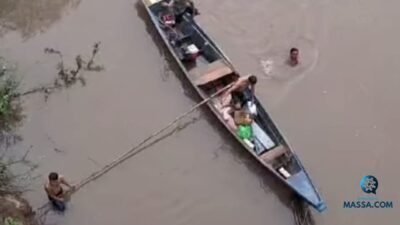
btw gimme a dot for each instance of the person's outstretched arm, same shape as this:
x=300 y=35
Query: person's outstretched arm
x=63 y=181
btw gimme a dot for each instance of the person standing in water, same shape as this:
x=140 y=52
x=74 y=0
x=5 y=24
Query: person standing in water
x=55 y=192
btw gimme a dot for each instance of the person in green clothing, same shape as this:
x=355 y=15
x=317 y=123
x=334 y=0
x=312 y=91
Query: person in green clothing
x=243 y=120
x=245 y=132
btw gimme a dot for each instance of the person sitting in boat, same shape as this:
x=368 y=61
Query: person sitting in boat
x=239 y=92
x=234 y=116
x=242 y=117
x=227 y=116
x=180 y=8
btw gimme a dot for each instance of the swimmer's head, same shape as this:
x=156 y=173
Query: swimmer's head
x=253 y=79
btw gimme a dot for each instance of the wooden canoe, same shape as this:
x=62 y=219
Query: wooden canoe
x=209 y=69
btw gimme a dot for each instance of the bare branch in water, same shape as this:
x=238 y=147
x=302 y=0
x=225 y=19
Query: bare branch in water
x=23 y=159
x=67 y=77
x=90 y=67
x=8 y=180
x=53 y=51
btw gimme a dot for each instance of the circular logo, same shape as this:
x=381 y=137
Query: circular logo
x=369 y=184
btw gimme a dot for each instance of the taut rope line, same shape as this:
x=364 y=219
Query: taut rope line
x=95 y=175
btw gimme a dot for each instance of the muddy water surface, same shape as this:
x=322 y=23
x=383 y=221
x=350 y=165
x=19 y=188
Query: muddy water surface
x=338 y=108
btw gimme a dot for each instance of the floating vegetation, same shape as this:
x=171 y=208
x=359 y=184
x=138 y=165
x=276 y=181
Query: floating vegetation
x=12 y=221
x=10 y=108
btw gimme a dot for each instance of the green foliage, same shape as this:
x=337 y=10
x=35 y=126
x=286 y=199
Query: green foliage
x=8 y=88
x=12 y=221
x=10 y=112
x=4 y=175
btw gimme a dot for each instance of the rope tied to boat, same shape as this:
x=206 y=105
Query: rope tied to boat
x=45 y=208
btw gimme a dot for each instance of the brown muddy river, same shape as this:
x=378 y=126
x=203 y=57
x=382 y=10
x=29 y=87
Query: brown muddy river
x=339 y=109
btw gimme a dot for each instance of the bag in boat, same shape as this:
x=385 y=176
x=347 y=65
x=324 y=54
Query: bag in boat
x=245 y=132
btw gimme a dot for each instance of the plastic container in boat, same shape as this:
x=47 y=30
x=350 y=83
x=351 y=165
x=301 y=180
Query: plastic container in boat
x=284 y=172
x=248 y=142
x=251 y=107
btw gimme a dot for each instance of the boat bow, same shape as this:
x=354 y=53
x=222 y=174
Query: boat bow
x=302 y=184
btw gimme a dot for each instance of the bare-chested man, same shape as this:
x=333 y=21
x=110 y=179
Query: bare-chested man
x=238 y=90
x=55 y=191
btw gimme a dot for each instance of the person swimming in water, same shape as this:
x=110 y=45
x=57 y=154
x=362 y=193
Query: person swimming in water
x=55 y=192
x=294 y=57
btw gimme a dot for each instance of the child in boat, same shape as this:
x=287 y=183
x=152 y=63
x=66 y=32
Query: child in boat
x=55 y=192
x=242 y=118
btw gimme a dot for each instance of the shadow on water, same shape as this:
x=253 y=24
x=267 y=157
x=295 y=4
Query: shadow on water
x=268 y=182
x=32 y=16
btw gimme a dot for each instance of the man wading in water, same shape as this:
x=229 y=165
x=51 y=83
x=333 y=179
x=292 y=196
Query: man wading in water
x=55 y=191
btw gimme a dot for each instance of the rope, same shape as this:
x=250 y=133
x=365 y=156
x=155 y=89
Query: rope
x=95 y=175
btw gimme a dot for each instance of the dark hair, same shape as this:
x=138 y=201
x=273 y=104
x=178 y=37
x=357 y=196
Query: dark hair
x=253 y=79
x=53 y=176
x=294 y=50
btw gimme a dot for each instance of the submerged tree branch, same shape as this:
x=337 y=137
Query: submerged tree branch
x=66 y=77
x=8 y=180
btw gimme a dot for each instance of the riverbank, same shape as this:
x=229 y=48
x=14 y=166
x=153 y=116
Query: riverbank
x=15 y=210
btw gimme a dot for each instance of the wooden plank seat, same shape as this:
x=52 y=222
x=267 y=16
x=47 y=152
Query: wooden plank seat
x=213 y=75
x=214 y=71
x=273 y=154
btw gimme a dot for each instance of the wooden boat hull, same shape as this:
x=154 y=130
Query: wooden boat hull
x=218 y=63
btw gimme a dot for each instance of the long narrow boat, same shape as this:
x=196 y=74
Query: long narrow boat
x=208 y=69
